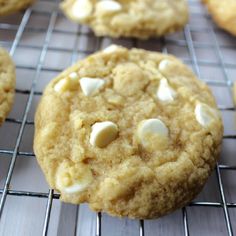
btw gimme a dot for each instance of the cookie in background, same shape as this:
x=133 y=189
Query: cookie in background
x=128 y=18
x=11 y=6
x=7 y=84
x=224 y=13
x=234 y=93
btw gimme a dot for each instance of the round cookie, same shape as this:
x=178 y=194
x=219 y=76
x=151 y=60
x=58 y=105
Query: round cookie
x=224 y=13
x=7 y=84
x=131 y=132
x=128 y=18
x=12 y=6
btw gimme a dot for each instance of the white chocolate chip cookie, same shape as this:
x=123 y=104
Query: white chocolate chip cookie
x=128 y=18
x=7 y=84
x=131 y=132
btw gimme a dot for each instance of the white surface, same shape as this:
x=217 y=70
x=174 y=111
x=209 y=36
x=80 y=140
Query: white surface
x=23 y=216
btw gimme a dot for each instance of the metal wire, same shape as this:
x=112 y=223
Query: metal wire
x=185 y=221
x=30 y=98
x=141 y=228
x=99 y=224
x=13 y=159
x=188 y=42
x=48 y=213
x=226 y=212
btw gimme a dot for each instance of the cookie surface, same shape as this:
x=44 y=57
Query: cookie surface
x=131 y=132
x=7 y=84
x=11 y=6
x=224 y=13
x=128 y=18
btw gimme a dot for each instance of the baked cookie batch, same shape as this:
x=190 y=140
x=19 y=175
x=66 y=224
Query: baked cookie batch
x=131 y=132
x=134 y=18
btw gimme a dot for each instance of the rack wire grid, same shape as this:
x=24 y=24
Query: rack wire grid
x=42 y=43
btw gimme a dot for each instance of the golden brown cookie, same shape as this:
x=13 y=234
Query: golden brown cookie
x=128 y=18
x=7 y=84
x=131 y=132
x=224 y=13
x=11 y=6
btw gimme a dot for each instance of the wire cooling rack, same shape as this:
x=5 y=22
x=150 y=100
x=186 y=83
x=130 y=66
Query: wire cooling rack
x=42 y=43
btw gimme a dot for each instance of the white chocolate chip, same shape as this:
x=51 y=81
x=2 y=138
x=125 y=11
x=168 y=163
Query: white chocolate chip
x=82 y=9
x=150 y=129
x=164 y=65
x=61 y=86
x=73 y=76
x=205 y=114
x=103 y=133
x=108 y=6
x=164 y=92
x=76 y=188
x=110 y=49
x=89 y=85
x=71 y=181
x=67 y=83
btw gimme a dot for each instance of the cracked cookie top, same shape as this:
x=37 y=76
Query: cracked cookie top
x=131 y=132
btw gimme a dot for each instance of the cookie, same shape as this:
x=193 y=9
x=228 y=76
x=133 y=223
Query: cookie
x=128 y=18
x=7 y=84
x=131 y=132
x=234 y=93
x=224 y=13
x=12 y=6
